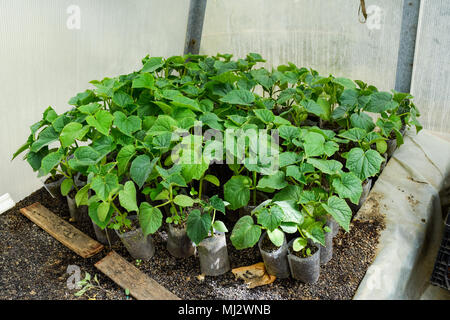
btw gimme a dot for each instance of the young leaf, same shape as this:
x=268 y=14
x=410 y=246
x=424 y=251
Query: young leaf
x=217 y=203
x=198 y=226
x=66 y=186
x=183 y=201
x=276 y=236
x=240 y=97
x=276 y=181
x=104 y=186
x=270 y=218
x=339 y=210
x=364 y=164
x=140 y=169
x=82 y=196
x=102 y=210
x=314 y=144
x=219 y=226
x=150 y=218
x=237 y=191
x=127 y=197
x=213 y=179
x=245 y=233
x=123 y=158
x=348 y=186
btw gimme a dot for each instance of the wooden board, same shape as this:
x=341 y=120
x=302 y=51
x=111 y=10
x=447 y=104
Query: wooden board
x=62 y=230
x=129 y=277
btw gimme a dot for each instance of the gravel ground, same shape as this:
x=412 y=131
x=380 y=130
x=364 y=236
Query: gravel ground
x=33 y=265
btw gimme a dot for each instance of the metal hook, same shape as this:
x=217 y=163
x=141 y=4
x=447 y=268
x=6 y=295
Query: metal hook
x=362 y=7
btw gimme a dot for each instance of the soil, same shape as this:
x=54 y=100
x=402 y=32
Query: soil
x=53 y=179
x=268 y=245
x=33 y=265
x=302 y=253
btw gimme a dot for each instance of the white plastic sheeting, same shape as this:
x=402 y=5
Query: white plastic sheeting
x=321 y=34
x=50 y=50
x=406 y=195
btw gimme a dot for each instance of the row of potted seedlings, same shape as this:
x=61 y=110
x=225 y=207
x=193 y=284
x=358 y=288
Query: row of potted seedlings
x=116 y=157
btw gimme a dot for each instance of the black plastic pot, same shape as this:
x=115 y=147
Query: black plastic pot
x=391 y=147
x=276 y=262
x=54 y=188
x=138 y=245
x=307 y=269
x=77 y=213
x=178 y=243
x=335 y=227
x=102 y=237
x=326 y=252
x=367 y=185
x=213 y=255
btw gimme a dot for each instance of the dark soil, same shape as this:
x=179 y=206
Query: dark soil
x=303 y=253
x=268 y=245
x=33 y=264
x=53 y=179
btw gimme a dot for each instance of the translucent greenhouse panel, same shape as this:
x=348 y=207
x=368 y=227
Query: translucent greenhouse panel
x=322 y=34
x=432 y=65
x=52 y=49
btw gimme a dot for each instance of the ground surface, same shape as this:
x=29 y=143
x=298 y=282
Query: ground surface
x=33 y=265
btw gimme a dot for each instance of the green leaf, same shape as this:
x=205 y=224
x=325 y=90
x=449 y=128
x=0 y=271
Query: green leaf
x=379 y=102
x=123 y=158
x=140 y=169
x=237 y=191
x=213 y=179
x=86 y=156
x=50 y=161
x=82 y=196
x=217 y=203
x=103 y=210
x=245 y=233
x=381 y=146
x=46 y=137
x=346 y=83
x=219 y=226
x=288 y=132
x=270 y=218
x=122 y=99
x=66 y=186
x=153 y=64
x=264 y=115
x=276 y=236
x=354 y=134
x=127 y=197
x=144 y=80
x=363 y=121
x=198 y=226
x=330 y=148
x=90 y=108
x=127 y=125
x=71 y=132
x=183 y=201
x=314 y=144
x=93 y=213
x=299 y=244
x=288 y=158
x=349 y=98
x=105 y=186
x=330 y=167
x=321 y=110
x=276 y=181
x=348 y=186
x=150 y=218
x=364 y=164
x=163 y=124
x=339 y=210
x=101 y=121
x=240 y=97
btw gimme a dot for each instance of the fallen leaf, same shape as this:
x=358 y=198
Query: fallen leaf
x=201 y=277
x=254 y=275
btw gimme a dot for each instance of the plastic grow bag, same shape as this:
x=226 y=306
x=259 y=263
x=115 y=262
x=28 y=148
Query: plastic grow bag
x=406 y=196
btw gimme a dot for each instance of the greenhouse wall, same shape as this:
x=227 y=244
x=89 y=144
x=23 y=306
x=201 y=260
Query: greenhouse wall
x=51 y=49
x=431 y=72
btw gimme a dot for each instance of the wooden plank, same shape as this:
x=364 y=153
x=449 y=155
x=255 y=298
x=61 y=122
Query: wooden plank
x=62 y=230
x=129 y=277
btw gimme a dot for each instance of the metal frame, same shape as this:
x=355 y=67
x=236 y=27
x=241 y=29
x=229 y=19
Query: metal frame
x=194 y=29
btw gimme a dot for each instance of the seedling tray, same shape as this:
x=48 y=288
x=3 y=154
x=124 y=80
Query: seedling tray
x=441 y=271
